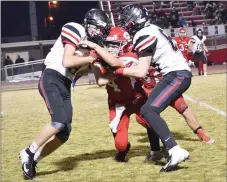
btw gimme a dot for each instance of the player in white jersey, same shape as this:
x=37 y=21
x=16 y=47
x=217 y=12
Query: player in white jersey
x=54 y=86
x=155 y=47
x=199 y=49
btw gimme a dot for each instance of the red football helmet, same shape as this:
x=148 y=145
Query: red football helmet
x=118 y=41
x=182 y=32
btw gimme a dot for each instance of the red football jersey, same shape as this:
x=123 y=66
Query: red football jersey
x=182 y=44
x=152 y=78
x=125 y=89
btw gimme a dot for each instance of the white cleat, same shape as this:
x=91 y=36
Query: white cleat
x=176 y=156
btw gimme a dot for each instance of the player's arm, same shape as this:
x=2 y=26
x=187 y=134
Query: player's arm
x=191 y=43
x=70 y=60
x=101 y=79
x=145 y=47
x=71 y=37
x=104 y=54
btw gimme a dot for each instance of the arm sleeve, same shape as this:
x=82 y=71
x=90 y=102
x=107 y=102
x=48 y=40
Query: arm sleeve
x=145 y=45
x=70 y=35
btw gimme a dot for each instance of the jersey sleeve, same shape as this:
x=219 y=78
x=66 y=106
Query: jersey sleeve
x=145 y=45
x=70 y=34
x=192 y=40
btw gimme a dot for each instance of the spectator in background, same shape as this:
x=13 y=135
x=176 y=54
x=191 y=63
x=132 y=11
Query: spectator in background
x=8 y=62
x=174 y=16
x=193 y=24
x=161 y=13
x=19 y=69
x=175 y=13
x=190 y=5
x=182 y=22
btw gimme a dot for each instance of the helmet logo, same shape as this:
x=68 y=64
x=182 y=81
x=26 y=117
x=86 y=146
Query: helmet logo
x=101 y=23
x=126 y=35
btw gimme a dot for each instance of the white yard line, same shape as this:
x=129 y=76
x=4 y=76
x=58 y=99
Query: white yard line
x=203 y=104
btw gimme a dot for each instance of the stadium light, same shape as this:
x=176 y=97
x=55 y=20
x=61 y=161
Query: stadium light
x=53 y=4
x=51 y=18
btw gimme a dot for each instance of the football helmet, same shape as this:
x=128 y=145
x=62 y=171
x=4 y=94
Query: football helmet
x=118 y=41
x=97 y=25
x=199 y=33
x=182 y=32
x=133 y=18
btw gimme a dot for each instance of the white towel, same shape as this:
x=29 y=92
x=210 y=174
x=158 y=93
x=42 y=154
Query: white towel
x=115 y=122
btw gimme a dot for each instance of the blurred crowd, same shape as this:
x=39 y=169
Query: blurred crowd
x=215 y=11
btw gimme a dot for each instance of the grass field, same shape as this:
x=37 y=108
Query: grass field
x=88 y=155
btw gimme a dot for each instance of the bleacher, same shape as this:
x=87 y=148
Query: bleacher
x=181 y=7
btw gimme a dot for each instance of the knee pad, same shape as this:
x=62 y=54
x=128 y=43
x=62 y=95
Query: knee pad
x=58 y=126
x=180 y=105
x=64 y=134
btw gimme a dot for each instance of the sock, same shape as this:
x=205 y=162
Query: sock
x=33 y=148
x=196 y=130
x=37 y=156
x=153 y=139
x=161 y=128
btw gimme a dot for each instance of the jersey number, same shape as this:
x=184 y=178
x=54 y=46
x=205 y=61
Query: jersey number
x=171 y=41
x=181 y=47
x=114 y=86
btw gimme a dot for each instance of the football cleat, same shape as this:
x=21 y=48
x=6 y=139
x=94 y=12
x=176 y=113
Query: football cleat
x=176 y=156
x=120 y=157
x=27 y=164
x=202 y=136
x=154 y=156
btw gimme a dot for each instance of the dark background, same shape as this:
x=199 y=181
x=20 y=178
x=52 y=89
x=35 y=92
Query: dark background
x=15 y=20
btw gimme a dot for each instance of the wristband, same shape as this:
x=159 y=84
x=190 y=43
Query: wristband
x=119 y=71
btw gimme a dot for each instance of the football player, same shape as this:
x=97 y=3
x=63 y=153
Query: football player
x=125 y=95
x=182 y=42
x=54 y=86
x=199 y=49
x=152 y=78
x=155 y=47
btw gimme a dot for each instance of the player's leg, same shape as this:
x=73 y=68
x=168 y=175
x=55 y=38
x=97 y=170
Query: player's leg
x=172 y=86
x=182 y=107
x=204 y=60
x=121 y=136
x=155 y=153
x=196 y=62
x=60 y=138
x=53 y=98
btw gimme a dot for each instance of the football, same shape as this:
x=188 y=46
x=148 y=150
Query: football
x=82 y=51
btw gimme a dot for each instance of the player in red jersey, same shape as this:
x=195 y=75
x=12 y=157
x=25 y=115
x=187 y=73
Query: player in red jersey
x=182 y=43
x=125 y=95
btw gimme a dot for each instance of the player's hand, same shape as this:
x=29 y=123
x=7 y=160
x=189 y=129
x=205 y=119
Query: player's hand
x=89 y=44
x=207 y=53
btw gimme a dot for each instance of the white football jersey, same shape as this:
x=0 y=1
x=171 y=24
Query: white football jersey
x=166 y=57
x=71 y=33
x=198 y=43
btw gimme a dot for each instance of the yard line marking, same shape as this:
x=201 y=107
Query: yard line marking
x=203 y=104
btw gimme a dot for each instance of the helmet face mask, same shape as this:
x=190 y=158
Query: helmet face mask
x=114 y=48
x=199 y=33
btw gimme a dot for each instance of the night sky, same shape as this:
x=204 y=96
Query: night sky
x=15 y=19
